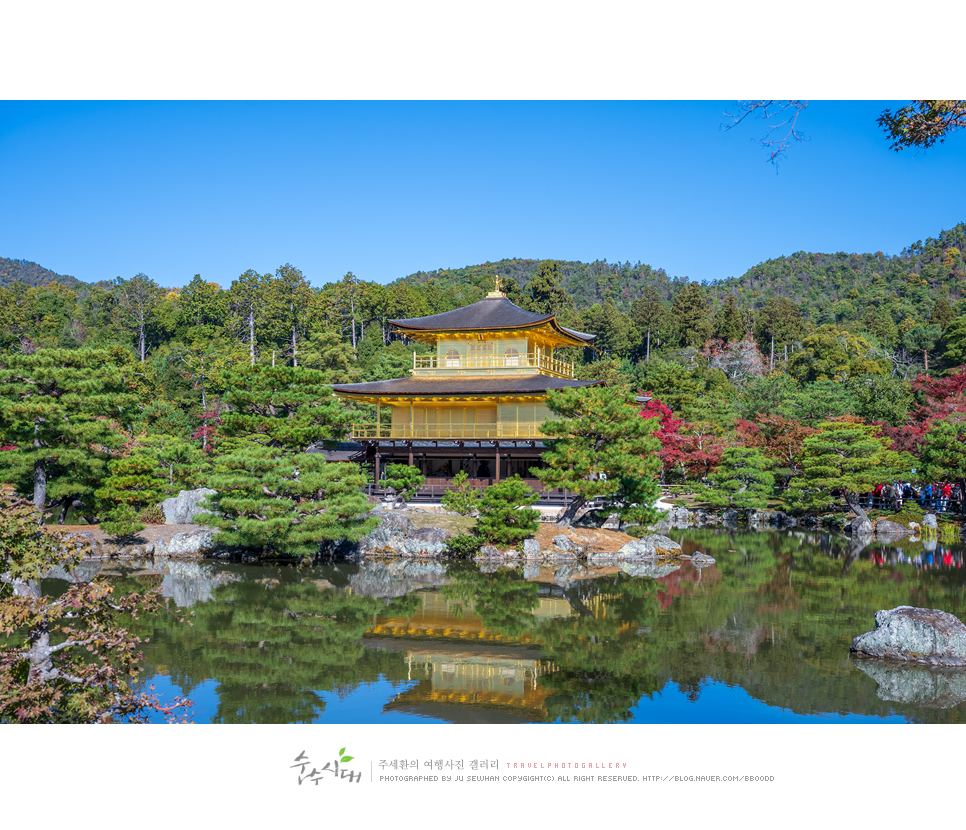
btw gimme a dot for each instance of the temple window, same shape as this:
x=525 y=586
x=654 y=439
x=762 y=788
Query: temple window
x=511 y=357
x=480 y=352
x=452 y=359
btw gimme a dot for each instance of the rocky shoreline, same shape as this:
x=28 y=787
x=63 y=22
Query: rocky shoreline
x=592 y=539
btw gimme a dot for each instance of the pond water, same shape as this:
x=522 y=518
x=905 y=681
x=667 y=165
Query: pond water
x=762 y=636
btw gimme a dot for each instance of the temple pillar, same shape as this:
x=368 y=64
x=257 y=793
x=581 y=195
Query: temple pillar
x=377 y=470
x=497 y=480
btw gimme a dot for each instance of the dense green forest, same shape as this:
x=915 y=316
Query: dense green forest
x=761 y=361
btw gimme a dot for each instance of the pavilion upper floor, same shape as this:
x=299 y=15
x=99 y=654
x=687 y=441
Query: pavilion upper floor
x=492 y=353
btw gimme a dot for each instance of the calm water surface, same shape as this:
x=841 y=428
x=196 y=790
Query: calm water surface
x=760 y=637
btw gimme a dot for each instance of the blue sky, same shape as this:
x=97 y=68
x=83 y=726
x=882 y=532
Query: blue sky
x=100 y=189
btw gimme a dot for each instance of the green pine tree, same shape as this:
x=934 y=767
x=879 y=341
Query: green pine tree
x=286 y=504
x=598 y=439
x=847 y=456
x=133 y=484
x=742 y=480
x=180 y=463
x=282 y=406
x=545 y=294
x=944 y=453
x=506 y=516
x=461 y=498
x=729 y=323
x=58 y=408
x=691 y=316
x=405 y=479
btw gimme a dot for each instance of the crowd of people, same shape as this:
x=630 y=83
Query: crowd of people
x=933 y=555
x=944 y=497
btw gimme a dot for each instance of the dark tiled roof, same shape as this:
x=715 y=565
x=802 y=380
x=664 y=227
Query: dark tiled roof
x=487 y=315
x=436 y=386
x=345 y=451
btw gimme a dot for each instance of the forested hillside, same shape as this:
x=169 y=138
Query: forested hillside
x=828 y=287
x=30 y=273
x=759 y=362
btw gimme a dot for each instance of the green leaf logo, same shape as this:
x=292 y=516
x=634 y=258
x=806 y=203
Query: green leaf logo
x=343 y=758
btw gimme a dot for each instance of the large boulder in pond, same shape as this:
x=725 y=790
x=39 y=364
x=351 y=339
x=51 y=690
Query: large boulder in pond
x=929 y=520
x=196 y=543
x=860 y=526
x=916 y=635
x=396 y=577
x=184 y=508
x=890 y=530
x=396 y=535
x=661 y=543
x=928 y=686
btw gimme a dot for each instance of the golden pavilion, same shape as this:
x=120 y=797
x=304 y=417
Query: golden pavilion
x=476 y=405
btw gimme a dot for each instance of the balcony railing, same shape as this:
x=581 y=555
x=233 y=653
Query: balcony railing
x=539 y=362
x=445 y=432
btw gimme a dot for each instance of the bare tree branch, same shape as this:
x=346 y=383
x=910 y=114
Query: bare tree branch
x=781 y=118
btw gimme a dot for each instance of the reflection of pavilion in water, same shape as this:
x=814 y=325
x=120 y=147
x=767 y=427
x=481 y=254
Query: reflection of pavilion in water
x=465 y=673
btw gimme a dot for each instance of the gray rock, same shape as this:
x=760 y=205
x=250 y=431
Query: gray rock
x=701 y=560
x=562 y=575
x=184 y=508
x=891 y=530
x=612 y=522
x=512 y=553
x=552 y=555
x=531 y=549
x=780 y=519
x=418 y=547
x=396 y=535
x=700 y=518
x=82 y=541
x=567 y=544
x=602 y=558
x=432 y=534
x=195 y=543
x=934 y=688
x=679 y=516
x=389 y=537
x=917 y=635
x=638 y=549
x=755 y=517
x=188 y=583
x=651 y=570
x=730 y=518
x=84 y=571
x=860 y=526
x=661 y=543
x=929 y=520
x=489 y=552
x=390 y=578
